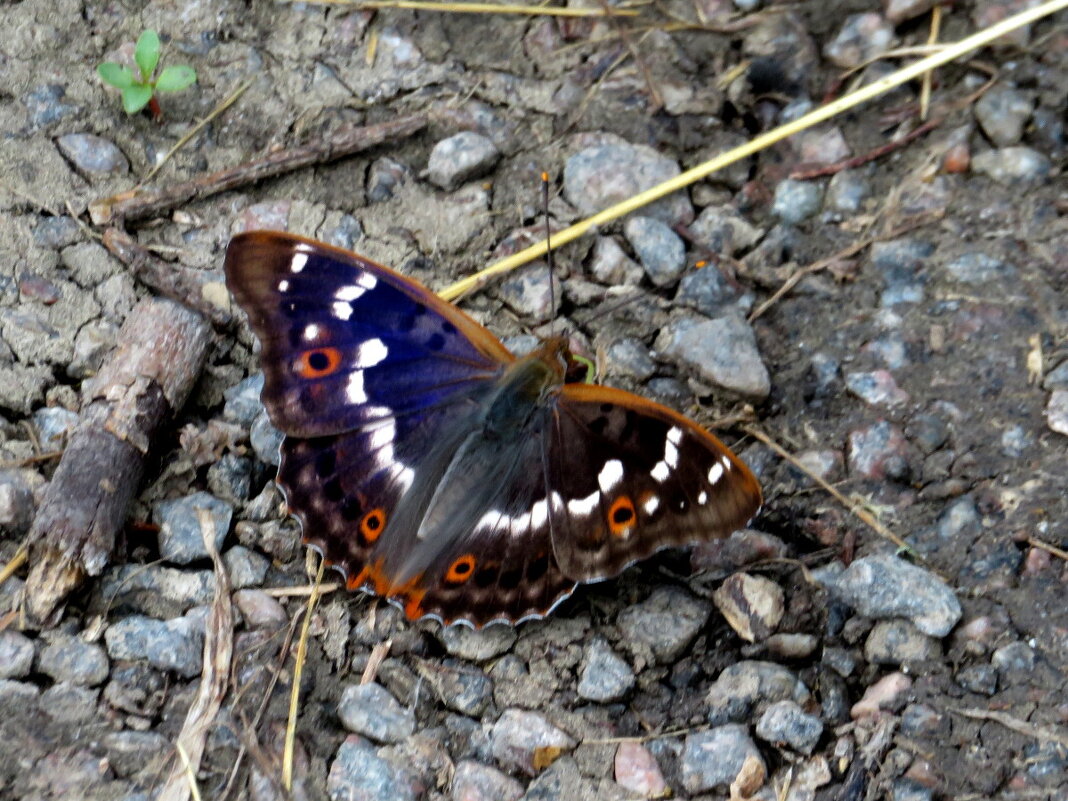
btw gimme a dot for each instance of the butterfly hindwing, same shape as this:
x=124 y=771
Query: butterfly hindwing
x=637 y=477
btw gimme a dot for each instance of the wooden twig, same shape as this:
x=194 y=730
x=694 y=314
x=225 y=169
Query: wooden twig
x=138 y=204
x=202 y=290
x=1051 y=734
x=147 y=378
x=804 y=173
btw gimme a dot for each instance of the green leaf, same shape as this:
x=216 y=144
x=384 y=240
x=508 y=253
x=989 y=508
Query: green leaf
x=146 y=54
x=115 y=74
x=176 y=78
x=136 y=98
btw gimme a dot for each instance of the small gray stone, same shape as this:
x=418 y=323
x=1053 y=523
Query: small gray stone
x=1012 y=165
x=630 y=357
x=460 y=158
x=659 y=249
x=54 y=426
x=243 y=400
x=714 y=758
x=358 y=773
x=722 y=352
x=883 y=586
x=960 y=522
x=796 y=201
x=665 y=623
x=878 y=452
x=786 y=722
x=1057 y=378
x=56 y=232
x=44 y=106
x=474 y=781
x=877 y=388
x=16 y=502
x=1016 y=659
x=897 y=642
x=344 y=233
x=16 y=655
x=981 y=679
x=741 y=687
x=180 y=537
x=245 y=567
x=532 y=292
x=518 y=735
x=91 y=344
x=71 y=659
x=157 y=590
x=603 y=175
x=861 y=38
x=69 y=703
x=611 y=265
x=923 y=720
x=131 y=752
x=461 y=687
x=846 y=193
x=605 y=677
x=230 y=478
x=906 y=789
x=171 y=645
x=1003 y=113
x=722 y=230
x=260 y=610
x=1057 y=411
x=384 y=177
x=266 y=440
x=370 y=710
x=137 y=689
x=709 y=291
x=477 y=645
x=898 y=11
x=93 y=154
x=18 y=695
x=978 y=268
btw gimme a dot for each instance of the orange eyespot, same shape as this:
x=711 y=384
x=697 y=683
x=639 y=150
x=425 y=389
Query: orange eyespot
x=460 y=570
x=372 y=523
x=621 y=516
x=318 y=363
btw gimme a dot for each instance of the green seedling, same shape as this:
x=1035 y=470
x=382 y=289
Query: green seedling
x=139 y=91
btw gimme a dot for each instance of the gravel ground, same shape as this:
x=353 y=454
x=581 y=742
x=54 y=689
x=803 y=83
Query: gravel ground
x=925 y=376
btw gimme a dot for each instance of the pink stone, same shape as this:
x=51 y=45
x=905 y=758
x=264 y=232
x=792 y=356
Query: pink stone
x=637 y=771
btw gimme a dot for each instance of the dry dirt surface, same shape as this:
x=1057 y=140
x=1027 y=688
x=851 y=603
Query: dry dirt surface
x=923 y=374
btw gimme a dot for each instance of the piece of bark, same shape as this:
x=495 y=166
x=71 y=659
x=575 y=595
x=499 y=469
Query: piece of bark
x=202 y=290
x=147 y=378
x=137 y=204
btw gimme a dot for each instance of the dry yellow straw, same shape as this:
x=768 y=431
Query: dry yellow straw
x=944 y=56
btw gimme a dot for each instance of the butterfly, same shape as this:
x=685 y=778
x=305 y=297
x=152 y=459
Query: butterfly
x=435 y=468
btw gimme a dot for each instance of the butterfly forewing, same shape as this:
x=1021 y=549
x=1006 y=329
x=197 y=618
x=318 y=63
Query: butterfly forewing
x=637 y=477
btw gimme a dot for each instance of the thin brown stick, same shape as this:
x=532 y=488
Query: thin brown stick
x=1051 y=734
x=139 y=204
x=804 y=173
x=1045 y=546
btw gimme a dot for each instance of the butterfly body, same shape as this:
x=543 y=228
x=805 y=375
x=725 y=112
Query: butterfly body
x=435 y=468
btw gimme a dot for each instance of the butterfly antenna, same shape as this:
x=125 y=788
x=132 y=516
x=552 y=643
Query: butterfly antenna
x=548 y=247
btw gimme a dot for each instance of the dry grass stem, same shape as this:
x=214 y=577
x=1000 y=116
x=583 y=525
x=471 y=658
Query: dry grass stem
x=1052 y=734
x=298 y=671
x=475 y=8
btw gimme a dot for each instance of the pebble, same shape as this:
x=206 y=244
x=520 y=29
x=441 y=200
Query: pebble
x=93 y=154
x=743 y=685
x=960 y=522
x=826 y=464
x=877 y=388
x=714 y=758
x=786 y=722
x=660 y=250
x=16 y=655
x=980 y=679
x=477 y=645
x=710 y=292
x=1057 y=411
x=822 y=144
x=131 y=752
x=384 y=177
x=460 y=158
x=923 y=720
x=665 y=623
x=20 y=695
x=474 y=781
x=905 y=789
x=722 y=352
x=636 y=770
x=605 y=677
x=602 y=175
x=44 y=106
x=54 y=426
x=978 y=268
x=532 y=292
x=898 y=11
x=242 y=404
x=518 y=735
x=842 y=661
x=71 y=659
x=846 y=193
x=1015 y=659
x=611 y=265
x=265 y=440
x=1002 y=113
x=796 y=201
x=358 y=773
x=752 y=605
x=344 y=233
x=230 y=478
x=878 y=452
x=137 y=689
x=861 y=38
x=722 y=230
x=897 y=642
x=884 y=586
x=1057 y=378
x=886 y=693
x=631 y=358
x=167 y=645
x=741 y=548
x=791 y=645
x=370 y=710
x=69 y=703
x=180 y=538
x=92 y=343
x=157 y=590
x=1012 y=165
x=56 y=232
x=245 y=567
x=260 y=610
x=16 y=503
x=891 y=350
x=462 y=687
